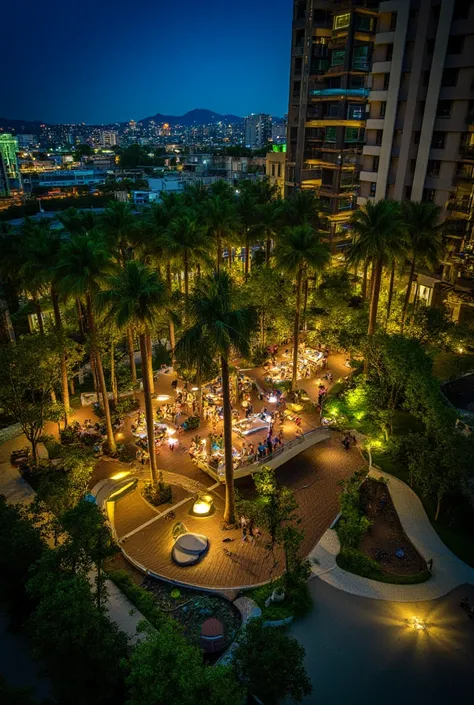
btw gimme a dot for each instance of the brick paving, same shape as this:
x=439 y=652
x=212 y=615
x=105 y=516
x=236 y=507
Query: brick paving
x=313 y=475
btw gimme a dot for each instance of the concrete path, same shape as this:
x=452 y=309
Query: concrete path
x=448 y=571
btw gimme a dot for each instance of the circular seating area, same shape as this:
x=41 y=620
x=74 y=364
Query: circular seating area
x=212 y=635
x=189 y=549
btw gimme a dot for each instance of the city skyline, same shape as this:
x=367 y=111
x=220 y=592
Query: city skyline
x=111 y=69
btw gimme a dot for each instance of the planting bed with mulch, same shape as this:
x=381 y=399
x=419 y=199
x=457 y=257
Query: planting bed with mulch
x=191 y=609
x=385 y=541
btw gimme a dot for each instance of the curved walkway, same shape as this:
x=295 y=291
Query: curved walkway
x=448 y=570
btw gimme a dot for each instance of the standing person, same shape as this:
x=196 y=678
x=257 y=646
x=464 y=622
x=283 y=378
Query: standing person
x=269 y=445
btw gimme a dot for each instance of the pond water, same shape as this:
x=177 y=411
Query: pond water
x=460 y=392
x=17 y=664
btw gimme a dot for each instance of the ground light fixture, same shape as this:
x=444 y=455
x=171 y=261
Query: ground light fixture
x=162 y=397
x=120 y=475
x=203 y=506
x=419 y=625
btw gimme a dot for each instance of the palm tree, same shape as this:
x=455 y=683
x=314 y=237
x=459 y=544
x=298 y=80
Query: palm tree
x=298 y=252
x=187 y=239
x=300 y=208
x=268 y=217
x=378 y=237
x=245 y=209
x=42 y=254
x=135 y=297
x=76 y=222
x=220 y=219
x=84 y=262
x=119 y=224
x=424 y=231
x=223 y=329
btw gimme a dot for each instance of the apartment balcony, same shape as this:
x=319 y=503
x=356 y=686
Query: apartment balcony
x=371 y=150
x=378 y=96
x=467 y=151
x=464 y=207
x=335 y=122
x=299 y=23
x=375 y=124
x=339 y=93
x=467 y=176
x=384 y=38
x=298 y=50
x=382 y=67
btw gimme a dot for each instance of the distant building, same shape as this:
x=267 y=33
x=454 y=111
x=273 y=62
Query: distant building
x=258 y=130
x=275 y=167
x=100 y=161
x=4 y=187
x=27 y=141
x=108 y=138
x=279 y=132
x=11 y=168
x=64 y=178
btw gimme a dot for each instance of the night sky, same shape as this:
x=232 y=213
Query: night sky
x=100 y=61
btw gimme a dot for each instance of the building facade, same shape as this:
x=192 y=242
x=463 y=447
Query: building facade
x=331 y=57
x=419 y=142
x=64 y=178
x=108 y=138
x=275 y=167
x=258 y=130
x=10 y=168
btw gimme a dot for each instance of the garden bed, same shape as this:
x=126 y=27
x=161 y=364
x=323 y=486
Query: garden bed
x=295 y=605
x=384 y=552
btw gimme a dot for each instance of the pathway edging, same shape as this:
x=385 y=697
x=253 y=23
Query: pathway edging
x=448 y=570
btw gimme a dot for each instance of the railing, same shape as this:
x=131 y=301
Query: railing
x=344 y=92
x=250 y=468
x=459 y=206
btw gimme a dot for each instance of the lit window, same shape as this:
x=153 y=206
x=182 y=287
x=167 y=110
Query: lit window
x=341 y=21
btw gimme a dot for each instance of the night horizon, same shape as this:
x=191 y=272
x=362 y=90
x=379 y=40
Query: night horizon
x=103 y=71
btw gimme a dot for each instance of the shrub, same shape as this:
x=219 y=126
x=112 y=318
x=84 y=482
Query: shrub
x=357 y=562
x=159 y=493
x=125 y=406
x=351 y=528
x=191 y=423
x=141 y=598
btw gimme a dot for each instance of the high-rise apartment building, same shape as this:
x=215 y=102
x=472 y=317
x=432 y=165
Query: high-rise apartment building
x=8 y=155
x=419 y=140
x=108 y=138
x=331 y=57
x=258 y=130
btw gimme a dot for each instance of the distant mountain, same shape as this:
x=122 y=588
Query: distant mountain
x=198 y=116
x=19 y=126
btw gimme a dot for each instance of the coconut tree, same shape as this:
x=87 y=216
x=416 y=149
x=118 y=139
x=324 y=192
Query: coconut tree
x=220 y=220
x=43 y=247
x=378 y=237
x=224 y=329
x=268 y=224
x=119 y=224
x=245 y=208
x=421 y=220
x=84 y=262
x=135 y=296
x=187 y=240
x=299 y=252
x=300 y=208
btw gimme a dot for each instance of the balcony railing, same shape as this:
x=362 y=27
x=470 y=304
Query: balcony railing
x=460 y=206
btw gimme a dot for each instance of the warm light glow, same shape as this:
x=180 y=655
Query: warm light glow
x=201 y=507
x=120 y=475
x=416 y=623
x=119 y=436
x=272 y=399
x=162 y=397
x=461 y=350
x=194 y=389
x=170 y=431
x=172 y=442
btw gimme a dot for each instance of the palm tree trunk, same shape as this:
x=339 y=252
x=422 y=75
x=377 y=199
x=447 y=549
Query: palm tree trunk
x=390 y=293
x=438 y=508
x=131 y=355
x=219 y=253
x=305 y=301
x=100 y=375
x=229 y=511
x=296 y=330
x=372 y=278
x=186 y=279
x=150 y=363
x=150 y=426
x=247 y=255
x=39 y=316
x=374 y=299
x=171 y=323
x=364 y=281
x=113 y=378
x=407 y=294
x=198 y=271
x=80 y=317
x=64 y=379
x=268 y=251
